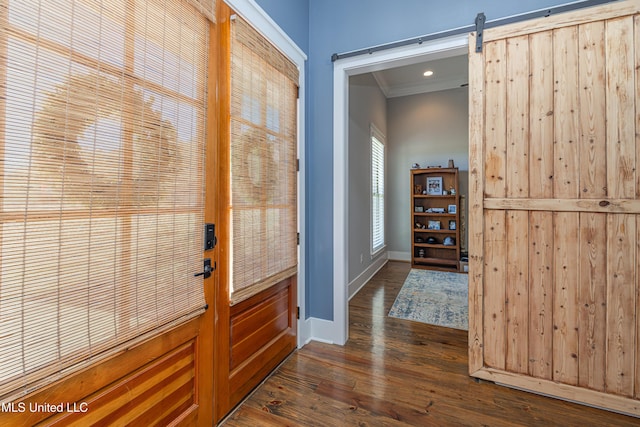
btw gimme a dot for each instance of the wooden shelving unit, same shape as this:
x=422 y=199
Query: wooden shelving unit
x=435 y=219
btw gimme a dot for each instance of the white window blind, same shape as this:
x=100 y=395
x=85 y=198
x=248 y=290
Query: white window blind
x=263 y=163
x=102 y=130
x=377 y=190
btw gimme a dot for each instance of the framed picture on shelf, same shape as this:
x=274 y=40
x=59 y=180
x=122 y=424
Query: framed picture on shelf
x=418 y=209
x=417 y=189
x=434 y=185
x=433 y=225
x=452 y=209
x=452 y=225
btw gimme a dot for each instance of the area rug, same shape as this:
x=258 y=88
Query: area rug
x=435 y=297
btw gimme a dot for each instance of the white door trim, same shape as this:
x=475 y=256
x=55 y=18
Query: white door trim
x=338 y=331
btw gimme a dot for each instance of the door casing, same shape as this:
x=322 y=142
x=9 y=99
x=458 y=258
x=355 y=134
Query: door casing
x=337 y=330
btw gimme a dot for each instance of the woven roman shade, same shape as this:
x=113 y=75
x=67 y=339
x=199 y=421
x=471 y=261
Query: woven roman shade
x=263 y=163
x=206 y=7
x=102 y=132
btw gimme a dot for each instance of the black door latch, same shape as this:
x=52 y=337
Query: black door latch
x=207 y=269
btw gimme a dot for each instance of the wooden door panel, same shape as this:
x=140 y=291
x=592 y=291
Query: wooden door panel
x=495 y=272
x=153 y=383
x=592 y=96
x=621 y=108
x=495 y=99
x=621 y=304
x=592 y=294
x=517 y=292
x=517 y=117
x=554 y=239
x=259 y=320
x=157 y=394
x=565 y=297
x=565 y=113
x=541 y=115
x=263 y=333
x=540 y=283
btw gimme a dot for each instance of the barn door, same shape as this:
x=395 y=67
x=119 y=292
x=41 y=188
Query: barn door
x=554 y=210
x=256 y=320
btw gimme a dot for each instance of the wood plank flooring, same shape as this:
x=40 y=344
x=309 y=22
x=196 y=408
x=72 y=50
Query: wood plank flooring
x=395 y=372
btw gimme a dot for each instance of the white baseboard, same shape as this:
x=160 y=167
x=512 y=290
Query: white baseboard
x=328 y=331
x=364 y=277
x=399 y=256
x=323 y=331
x=304 y=331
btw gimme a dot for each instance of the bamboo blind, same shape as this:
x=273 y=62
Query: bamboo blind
x=263 y=163
x=206 y=7
x=102 y=127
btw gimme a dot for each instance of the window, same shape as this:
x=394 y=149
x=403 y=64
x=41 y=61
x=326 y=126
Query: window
x=263 y=173
x=377 y=190
x=102 y=130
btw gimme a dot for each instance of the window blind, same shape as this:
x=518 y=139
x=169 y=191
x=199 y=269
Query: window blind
x=102 y=130
x=377 y=191
x=263 y=163
x=206 y=8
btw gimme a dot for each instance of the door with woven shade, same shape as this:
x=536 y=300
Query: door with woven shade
x=257 y=323
x=102 y=204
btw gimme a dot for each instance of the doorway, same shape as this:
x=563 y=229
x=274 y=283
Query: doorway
x=343 y=70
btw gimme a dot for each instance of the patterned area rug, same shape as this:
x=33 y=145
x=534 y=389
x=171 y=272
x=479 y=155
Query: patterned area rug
x=435 y=297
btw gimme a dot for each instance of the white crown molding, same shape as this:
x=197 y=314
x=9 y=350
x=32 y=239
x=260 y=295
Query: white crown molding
x=382 y=83
x=418 y=88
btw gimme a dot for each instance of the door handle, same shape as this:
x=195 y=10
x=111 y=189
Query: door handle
x=207 y=269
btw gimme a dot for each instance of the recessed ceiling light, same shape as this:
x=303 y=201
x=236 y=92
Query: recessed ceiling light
x=428 y=73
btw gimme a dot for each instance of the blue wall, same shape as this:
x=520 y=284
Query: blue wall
x=338 y=26
x=292 y=16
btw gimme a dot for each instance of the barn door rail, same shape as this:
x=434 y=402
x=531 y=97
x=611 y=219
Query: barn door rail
x=542 y=13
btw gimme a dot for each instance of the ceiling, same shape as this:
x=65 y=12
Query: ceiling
x=448 y=73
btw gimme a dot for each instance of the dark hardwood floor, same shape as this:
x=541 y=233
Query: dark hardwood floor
x=395 y=372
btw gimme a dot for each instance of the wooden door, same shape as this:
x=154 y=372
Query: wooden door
x=162 y=378
x=256 y=325
x=554 y=212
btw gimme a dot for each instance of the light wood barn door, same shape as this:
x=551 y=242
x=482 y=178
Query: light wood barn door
x=554 y=211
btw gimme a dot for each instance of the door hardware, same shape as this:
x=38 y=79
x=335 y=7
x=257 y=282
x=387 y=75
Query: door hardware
x=207 y=269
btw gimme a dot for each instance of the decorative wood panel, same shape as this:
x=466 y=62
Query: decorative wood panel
x=254 y=325
x=150 y=384
x=517 y=292
x=592 y=315
x=155 y=395
x=540 y=294
x=554 y=153
x=263 y=333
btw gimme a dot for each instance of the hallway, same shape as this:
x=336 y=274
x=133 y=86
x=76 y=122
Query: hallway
x=394 y=372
